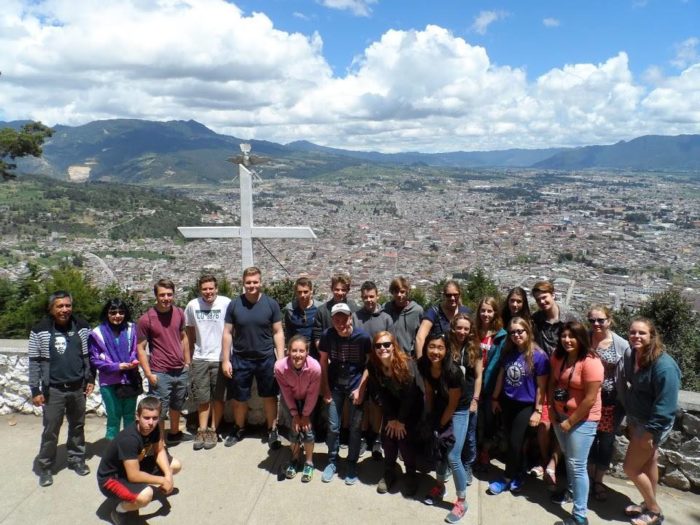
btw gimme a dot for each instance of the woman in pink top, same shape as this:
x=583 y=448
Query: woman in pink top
x=574 y=397
x=299 y=379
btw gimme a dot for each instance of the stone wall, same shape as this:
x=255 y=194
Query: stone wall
x=15 y=395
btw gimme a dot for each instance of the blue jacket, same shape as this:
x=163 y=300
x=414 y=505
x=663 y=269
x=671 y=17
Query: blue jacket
x=493 y=358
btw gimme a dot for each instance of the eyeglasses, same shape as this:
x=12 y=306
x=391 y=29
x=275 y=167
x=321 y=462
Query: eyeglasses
x=599 y=320
x=518 y=331
x=383 y=344
x=116 y=312
x=451 y=295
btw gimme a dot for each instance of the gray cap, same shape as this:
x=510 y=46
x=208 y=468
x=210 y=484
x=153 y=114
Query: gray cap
x=340 y=308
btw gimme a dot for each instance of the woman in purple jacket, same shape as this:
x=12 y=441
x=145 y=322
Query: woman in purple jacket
x=112 y=346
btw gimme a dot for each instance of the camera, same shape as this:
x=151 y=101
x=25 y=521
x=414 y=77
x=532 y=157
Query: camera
x=561 y=395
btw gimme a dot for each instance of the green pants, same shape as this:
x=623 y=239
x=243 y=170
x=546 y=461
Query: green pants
x=118 y=409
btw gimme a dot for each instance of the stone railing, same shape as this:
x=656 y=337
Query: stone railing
x=679 y=457
x=15 y=395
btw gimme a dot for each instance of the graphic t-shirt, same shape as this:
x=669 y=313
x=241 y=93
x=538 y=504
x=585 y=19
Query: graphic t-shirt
x=129 y=444
x=519 y=382
x=485 y=345
x=208 y=322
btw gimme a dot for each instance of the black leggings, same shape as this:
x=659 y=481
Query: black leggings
x=516 y=419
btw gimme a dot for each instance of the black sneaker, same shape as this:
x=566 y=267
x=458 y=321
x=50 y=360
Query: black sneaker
x=45 y=478
x=234 y=437
x=561 y=497
x=377 y=451
x=175 y=438
x=80 y=468
x=273 y=439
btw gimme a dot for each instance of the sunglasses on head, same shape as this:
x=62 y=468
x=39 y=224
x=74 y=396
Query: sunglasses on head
x=598 y=320
x=383 y=344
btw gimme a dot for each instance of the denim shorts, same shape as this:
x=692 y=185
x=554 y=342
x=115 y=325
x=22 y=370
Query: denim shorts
x=637 y=429
x=171 y=389
x=243 y=372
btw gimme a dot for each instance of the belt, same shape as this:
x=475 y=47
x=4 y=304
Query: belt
x=74 y=385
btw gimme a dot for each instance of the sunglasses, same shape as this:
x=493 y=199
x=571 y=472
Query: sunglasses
x=385 y=344
x=116 y=312
x=518 y=331
x=452 y=295
x=599 y=320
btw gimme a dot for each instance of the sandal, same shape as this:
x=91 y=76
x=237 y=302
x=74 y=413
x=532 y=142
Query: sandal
x=648 y=518
x=635 y=510
x=600 y=492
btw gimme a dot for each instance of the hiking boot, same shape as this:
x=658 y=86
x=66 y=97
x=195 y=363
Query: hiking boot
x=80 y=468
x=458 y=511
x=234 y=437
x=45 y=478
x=199 y=438
x=308 y=473
x=210 y=439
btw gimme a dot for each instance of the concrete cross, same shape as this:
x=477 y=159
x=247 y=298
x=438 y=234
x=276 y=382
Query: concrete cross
x=246 y=232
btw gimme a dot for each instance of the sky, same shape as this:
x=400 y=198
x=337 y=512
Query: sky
x=382 y=75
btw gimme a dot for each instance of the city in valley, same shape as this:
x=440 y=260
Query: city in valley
x=610 y=237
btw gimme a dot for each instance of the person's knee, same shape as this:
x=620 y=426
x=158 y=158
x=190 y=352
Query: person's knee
x=144 y=497
x=175 y=466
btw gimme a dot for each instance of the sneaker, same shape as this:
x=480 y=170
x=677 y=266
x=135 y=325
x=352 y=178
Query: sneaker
x=308 y=473
x=458 y=511
x=435 y=495
x=377 y=452
x=234 y=437
x=199 y=439
x=516 y=484
x=45 y=478
x=210 y=439
x=411 y=485
x=470 y=476
x=118 y=518
x=498 y=486
x=328 y=473
x=386 y=482
x=536 y=472
x=363 y=447
x=273 y=439
x=291 y=470
x=574 y=520
x=175 y=438
x=351 y=475
x=80 y=468
x=561 y=497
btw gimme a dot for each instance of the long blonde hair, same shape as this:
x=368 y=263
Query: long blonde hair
x=529 y=350
x=471 y=343
x=655 y=348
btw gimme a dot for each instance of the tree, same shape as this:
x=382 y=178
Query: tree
x=16 y=144
x=281 y=291
x=478 y=285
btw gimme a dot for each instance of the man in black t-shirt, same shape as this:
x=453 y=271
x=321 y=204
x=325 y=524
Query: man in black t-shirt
x=136 y=461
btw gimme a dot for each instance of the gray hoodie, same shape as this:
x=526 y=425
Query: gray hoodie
x=406 y=323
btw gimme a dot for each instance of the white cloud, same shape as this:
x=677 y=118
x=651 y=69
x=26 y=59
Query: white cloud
x=550 y=22
x=425 y=90
x=356 y=7
x=485 y=18
x=301 y=16
x=686 y=53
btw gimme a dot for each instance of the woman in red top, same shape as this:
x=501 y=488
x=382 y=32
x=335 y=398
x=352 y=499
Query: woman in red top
x=574 y=397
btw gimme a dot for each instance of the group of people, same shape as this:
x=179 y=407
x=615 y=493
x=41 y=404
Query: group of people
x=439 y=387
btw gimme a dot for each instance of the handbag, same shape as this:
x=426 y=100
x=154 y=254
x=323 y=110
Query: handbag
x=133 y=388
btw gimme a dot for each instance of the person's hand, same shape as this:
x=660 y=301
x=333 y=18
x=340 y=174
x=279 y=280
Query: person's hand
x=152 y=379
x=535 y=419
x=327 y=398
x=227 y=368
x=38 y=400
x=495 y=406
x=89 y=388
x=395 y=429
x=565 y=425
x=296 y=423
x=167 y=485
x=356 y=396
x=473 y=406
x=305 y=423
x=128 y=366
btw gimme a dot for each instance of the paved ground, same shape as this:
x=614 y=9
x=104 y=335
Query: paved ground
x=240 y=485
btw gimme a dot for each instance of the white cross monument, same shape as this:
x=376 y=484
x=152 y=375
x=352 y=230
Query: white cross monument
x=246 y=232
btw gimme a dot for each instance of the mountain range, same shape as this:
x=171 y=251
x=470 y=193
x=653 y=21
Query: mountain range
x=187 y=152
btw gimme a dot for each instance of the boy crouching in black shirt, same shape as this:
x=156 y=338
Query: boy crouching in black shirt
x=135 y=461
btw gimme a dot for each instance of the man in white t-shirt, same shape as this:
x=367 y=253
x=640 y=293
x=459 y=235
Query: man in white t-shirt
x=204 y=323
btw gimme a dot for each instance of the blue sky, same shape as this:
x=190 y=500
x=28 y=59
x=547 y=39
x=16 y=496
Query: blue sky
x=382 y=75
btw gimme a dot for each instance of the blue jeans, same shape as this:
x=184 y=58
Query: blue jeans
x=469 y=450
x=575 y=445
x=335 y=414
x=460 y=422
